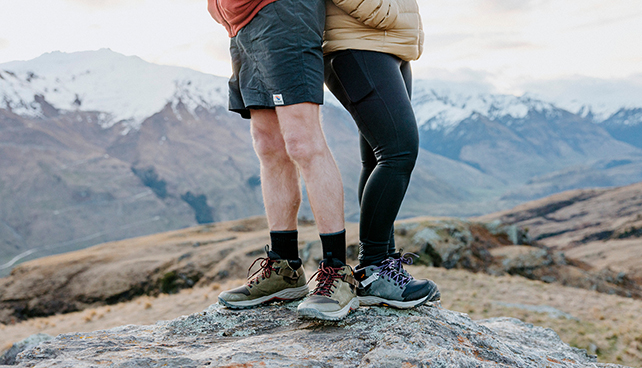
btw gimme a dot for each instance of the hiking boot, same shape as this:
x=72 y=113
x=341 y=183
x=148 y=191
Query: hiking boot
x=335 y=295
x=276 y=280
x=388 y=284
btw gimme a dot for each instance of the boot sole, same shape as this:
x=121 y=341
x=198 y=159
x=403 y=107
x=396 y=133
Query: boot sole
x=311 y=312
x=375 y=300
x=289 y=294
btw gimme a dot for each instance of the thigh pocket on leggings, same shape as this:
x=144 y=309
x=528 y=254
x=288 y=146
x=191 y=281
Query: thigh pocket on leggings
x=352 y=77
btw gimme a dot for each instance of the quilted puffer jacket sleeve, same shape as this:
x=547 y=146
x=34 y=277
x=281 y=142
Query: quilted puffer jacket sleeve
x=379 y=14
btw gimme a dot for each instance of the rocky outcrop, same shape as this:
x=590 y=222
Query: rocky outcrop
x=601 y=228
x=274 y=336
x=9 y=357
x=498 y=248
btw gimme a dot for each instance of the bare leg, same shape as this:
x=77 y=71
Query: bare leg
x=306 y=145
x=279 y=174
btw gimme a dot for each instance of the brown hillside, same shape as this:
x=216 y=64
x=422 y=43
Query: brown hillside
x=601 y=227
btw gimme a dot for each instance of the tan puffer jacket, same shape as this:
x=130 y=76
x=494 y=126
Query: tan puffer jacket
x=390 y=26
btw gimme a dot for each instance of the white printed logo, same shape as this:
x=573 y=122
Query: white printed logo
x=278 y=99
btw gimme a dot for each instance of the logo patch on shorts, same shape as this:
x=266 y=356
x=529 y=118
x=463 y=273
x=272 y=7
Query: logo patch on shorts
x=278 y=99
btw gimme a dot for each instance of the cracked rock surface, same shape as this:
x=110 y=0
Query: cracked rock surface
x=274 y=336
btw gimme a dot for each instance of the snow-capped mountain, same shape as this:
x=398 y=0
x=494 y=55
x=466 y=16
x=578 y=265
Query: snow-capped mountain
x=626 y=125
x=439 y=108
x=126 y=89
x=625 y=117
x=593 y=98
x=444 y=109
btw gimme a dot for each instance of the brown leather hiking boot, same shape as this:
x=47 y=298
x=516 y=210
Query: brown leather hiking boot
x=277 y=279
x=335 y=295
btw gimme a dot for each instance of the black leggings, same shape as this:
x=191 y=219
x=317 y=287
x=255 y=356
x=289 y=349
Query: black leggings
x=375 y=88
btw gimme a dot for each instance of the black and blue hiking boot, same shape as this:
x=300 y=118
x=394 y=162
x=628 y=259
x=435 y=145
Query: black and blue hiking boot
x=388 y=284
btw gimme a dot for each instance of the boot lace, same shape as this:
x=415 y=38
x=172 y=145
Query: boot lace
x=393 y=269
x=325 y=279
x=265 y=270
x=403 y=259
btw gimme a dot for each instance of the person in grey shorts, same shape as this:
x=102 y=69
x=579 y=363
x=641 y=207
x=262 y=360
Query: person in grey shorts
x=277 y=63
x=277 y=83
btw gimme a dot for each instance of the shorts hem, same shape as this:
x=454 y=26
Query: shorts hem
x=262 y=102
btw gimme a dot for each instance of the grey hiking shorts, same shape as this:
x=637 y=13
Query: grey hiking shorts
x=277 y=58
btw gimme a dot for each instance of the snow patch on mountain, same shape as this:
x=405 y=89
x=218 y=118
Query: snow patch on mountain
x=126 y=88
x=438 y=108
x=598 y=112
x=594 y=98
x=626 y=117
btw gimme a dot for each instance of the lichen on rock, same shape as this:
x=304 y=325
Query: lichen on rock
x=274 y=336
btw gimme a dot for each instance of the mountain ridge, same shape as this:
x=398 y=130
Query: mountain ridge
x=441 y=107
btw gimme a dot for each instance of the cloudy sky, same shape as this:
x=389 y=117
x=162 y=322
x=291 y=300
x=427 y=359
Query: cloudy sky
x=510 y=45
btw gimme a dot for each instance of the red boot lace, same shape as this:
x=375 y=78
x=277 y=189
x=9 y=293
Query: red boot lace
x=325 y=279
x=266 y=270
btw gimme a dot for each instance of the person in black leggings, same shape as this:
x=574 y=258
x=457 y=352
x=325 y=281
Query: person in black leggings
x=375 y=88
x=380 y=85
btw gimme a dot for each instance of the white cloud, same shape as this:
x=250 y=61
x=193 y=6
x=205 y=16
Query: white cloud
x=507 y=41
x=515 y=40
x=151 y=29
x=104 y=4
x=209 y=53
x=511 y=5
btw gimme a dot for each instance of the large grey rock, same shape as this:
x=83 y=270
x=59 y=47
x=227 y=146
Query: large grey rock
x=9 y=357
x=273 y=336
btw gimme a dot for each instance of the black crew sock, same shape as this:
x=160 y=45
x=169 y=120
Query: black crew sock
x=285 y=243
x=334 y=245
x=391 y=245
x=371 y=253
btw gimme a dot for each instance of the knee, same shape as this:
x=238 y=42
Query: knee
x=303 y=148
x=401 y=161
x=269 y=146
x=404 y=162
x=302 y=134
x=411 y=151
